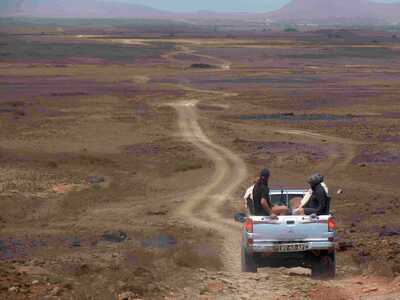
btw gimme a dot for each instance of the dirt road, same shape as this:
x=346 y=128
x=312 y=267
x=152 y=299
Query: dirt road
x=201 y=209
x=202 y=206
x=229 y=172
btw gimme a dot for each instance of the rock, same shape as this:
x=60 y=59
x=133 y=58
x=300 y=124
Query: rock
x=35 y=282
x=62 y=188
x=363 y=253
x=82 y=269
x=127 y=296
x=122 y=284
x=370 y=290
x=215 y=287
x=201 y=66
x=396 y=281
x=53 y=164
x=389 y=231
x=339 y=191
x=13 y=289
x=221 y=273
x=76 y=242
x=379 y=211
x=157 y=212
x=298 y=272
x=115 y=236
x=57 y=291
x=202 y=270
x=226 y=281
x=96 y=179
x=344 y=245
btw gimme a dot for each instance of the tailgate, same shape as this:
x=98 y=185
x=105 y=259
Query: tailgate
x=290 y=228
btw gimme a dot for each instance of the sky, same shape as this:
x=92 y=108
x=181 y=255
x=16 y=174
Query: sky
x=217 y=5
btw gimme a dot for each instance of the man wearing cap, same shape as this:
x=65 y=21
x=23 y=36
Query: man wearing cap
x=261 y=198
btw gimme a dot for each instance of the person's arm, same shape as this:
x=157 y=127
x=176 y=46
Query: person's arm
x=265 y=205
x=306 y=198
x=248 y=197
x=318 y=197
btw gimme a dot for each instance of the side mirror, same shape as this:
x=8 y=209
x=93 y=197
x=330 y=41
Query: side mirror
x=240 y=217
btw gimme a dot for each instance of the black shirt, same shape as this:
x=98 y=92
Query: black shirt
x=260 y=191
x=319 y=202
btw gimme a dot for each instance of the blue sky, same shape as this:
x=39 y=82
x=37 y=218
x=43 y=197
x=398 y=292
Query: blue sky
x=217 y=5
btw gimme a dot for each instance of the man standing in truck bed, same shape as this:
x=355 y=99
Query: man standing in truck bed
x=261 y=198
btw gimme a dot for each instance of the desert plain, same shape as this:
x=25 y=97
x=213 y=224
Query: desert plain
x=125 y=153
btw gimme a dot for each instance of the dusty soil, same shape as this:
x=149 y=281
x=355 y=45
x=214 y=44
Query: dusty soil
x=120 y=176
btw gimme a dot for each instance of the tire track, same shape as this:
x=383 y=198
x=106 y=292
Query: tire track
x=230 y=171
x=337 y=161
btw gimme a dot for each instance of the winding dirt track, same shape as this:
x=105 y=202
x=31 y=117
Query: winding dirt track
x=201 y=208
x=229 y=172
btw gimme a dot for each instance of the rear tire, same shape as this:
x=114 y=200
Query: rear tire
x=324 y=266
x=248 y=263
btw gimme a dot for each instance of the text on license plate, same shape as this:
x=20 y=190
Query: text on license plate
x=291 y=247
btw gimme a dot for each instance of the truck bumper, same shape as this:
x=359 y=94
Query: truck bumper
x=273 y=247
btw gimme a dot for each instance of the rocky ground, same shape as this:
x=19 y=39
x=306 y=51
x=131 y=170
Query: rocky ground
x=120 y=174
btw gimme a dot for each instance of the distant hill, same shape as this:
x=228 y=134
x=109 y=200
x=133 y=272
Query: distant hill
x=325 y=10
x=77 y=9
x=315 y=11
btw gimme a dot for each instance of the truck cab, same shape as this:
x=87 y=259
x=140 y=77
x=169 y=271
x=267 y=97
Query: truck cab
x=290 y=241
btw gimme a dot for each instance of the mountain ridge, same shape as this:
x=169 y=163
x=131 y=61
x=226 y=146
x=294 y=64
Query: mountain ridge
x=78 y=9
x=296 y=10
x=336 y=9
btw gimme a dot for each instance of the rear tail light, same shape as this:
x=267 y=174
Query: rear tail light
x=248 y=225
x=331 y=224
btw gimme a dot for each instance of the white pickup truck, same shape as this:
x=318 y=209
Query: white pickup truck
x=290 y=241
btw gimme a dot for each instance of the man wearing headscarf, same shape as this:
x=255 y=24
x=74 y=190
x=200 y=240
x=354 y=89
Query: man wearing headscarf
x=316 y=200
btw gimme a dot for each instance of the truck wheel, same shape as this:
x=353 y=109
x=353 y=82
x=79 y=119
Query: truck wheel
x=324 y=266
x=248 y=263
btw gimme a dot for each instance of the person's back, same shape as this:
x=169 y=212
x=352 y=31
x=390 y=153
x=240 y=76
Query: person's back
x=319 y=201
x=260 y=191
x=262 y=200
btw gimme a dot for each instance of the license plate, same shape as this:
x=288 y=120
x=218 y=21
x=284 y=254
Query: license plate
x=291 y=247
